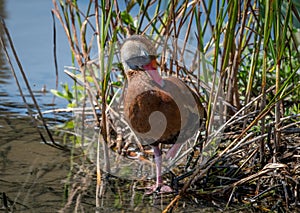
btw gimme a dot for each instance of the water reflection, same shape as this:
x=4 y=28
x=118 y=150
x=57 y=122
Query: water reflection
x=30 y=26
x=31 y=172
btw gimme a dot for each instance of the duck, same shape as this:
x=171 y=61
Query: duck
x=159 y=110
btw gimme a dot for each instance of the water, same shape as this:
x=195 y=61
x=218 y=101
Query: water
x=31 y=172
x=30 y=26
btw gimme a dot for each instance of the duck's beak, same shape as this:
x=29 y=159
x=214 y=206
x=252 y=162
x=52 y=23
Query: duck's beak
x=151 y=69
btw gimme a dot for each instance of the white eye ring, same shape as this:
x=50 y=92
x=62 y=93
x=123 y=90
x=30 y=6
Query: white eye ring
x=144 y=52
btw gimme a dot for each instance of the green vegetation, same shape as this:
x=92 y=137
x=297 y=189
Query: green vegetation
x=242 y=56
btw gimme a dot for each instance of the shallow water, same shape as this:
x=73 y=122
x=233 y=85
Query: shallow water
x=32 y=173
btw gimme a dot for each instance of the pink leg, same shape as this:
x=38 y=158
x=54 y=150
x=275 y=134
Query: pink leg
x=173 y=151
x=158 y=160
x=159 y=183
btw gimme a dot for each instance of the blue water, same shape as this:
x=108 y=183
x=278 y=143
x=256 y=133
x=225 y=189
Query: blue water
x=31 y=28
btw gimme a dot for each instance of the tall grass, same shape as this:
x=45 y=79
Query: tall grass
x=245 y=65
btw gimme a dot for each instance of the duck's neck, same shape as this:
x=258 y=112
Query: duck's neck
x=141 y=77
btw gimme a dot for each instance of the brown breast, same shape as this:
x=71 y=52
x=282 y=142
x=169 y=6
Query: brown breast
x=161 y=115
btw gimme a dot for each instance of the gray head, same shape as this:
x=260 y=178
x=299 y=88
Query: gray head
x=136 y=52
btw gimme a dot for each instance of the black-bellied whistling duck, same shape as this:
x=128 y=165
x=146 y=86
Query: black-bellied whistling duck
x=159 y=110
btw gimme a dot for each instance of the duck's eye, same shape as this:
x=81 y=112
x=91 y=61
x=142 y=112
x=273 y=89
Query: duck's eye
x=138 y=61
x=144 y=53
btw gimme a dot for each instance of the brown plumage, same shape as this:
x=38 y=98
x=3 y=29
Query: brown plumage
x=158 y=110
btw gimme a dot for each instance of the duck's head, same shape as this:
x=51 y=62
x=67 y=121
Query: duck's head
x=138 y=53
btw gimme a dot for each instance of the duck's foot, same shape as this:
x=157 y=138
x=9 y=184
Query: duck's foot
x=163 y=189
